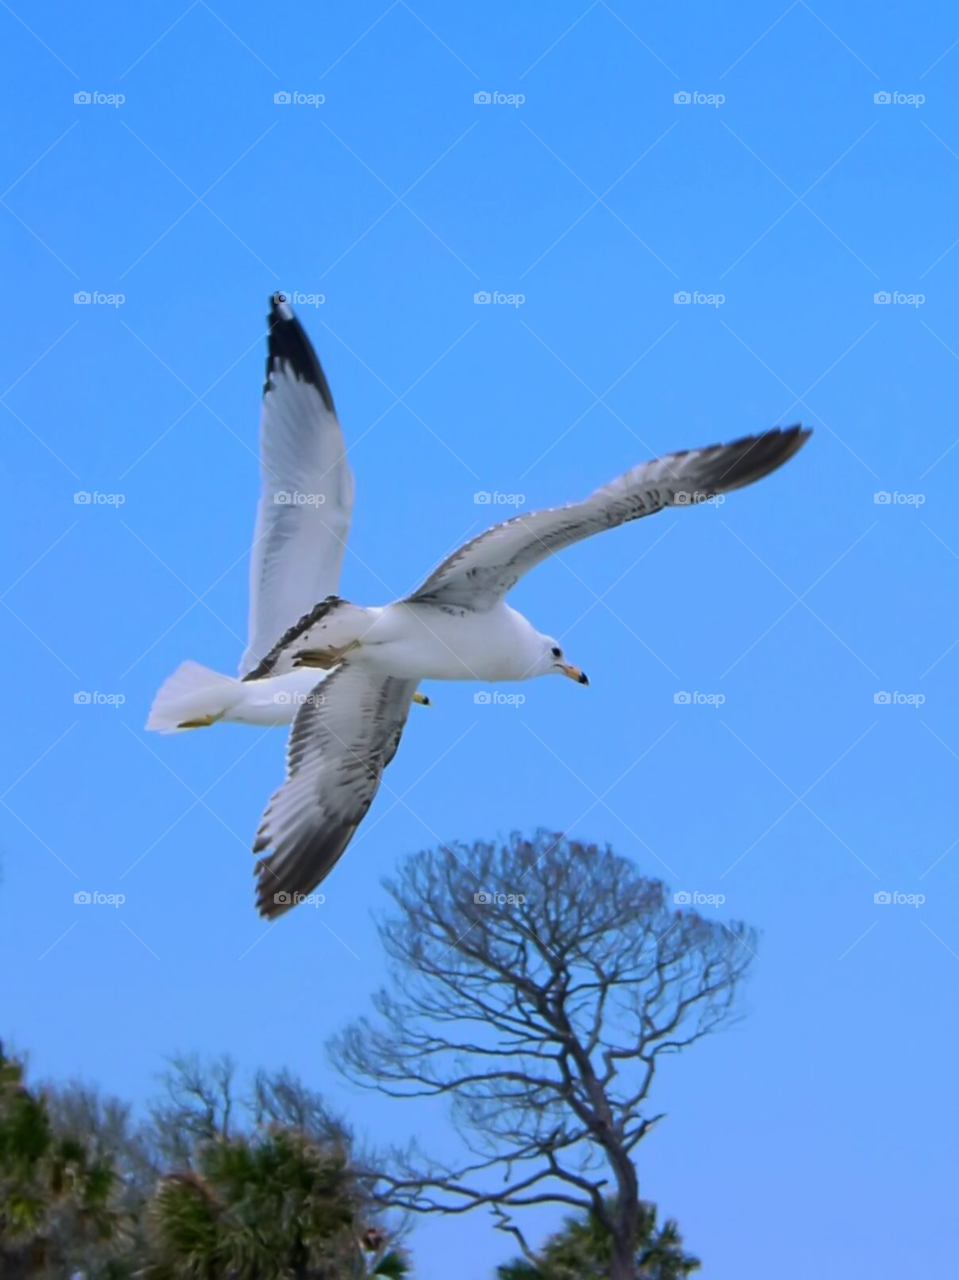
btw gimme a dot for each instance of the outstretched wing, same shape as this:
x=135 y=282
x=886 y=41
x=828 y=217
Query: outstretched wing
x=306 y=500
x=480 y=573
x=341 y=741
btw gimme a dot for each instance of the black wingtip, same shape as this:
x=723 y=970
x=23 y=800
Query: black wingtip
x=797 y=430
x=289 y=347
x=751 y=458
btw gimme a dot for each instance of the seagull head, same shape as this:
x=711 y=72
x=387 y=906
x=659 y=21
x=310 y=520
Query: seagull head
x=552 y=662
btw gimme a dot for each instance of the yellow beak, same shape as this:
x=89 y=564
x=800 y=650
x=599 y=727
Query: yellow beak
x=422 y=699
x=574 y=673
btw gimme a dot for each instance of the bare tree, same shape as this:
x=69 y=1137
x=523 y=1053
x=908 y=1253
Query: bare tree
x=537 y=985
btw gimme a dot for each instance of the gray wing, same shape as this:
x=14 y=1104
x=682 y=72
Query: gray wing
x=340 y=743
x=482 y=571
x=306 y=499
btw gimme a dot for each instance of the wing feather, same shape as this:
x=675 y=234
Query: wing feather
x=341 y=741
x=480 y=573
x=306 y=499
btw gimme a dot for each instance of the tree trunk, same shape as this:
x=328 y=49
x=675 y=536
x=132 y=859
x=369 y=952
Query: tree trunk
x=623 y=1261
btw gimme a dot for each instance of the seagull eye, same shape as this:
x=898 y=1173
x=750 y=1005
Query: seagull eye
x=556 y=651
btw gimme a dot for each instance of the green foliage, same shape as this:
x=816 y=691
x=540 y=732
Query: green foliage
x=266 y=1205
x=213 y=1188
x=55 y=1194
x=259 y=1189
x=582 y=1250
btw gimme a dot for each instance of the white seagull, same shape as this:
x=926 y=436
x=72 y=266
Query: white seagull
x=302 y=523
x=455 y=626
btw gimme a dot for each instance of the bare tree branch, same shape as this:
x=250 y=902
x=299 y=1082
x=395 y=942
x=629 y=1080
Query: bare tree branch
x=541 y=1008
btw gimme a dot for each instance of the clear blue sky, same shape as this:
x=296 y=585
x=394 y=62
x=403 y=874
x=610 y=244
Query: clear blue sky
x=820 y=1132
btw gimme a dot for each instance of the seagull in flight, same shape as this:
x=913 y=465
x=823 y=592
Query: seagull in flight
x=455 y=626
x=302 y=523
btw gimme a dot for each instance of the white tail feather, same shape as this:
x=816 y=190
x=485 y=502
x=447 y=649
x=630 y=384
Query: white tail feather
x=193 y=692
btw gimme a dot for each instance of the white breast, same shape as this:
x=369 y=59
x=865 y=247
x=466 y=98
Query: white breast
x=419 y=641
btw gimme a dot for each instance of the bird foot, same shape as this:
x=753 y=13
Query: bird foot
x=324 y=659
